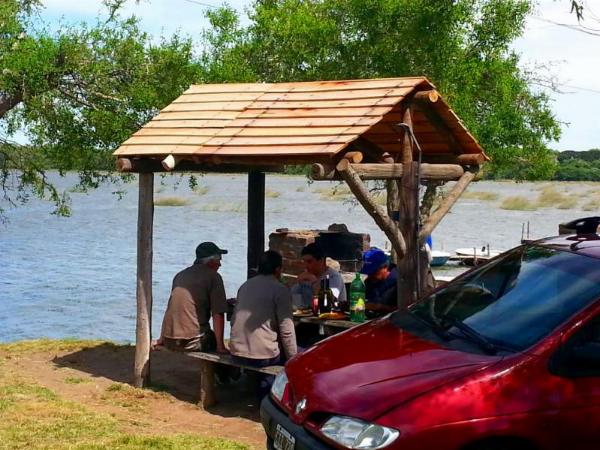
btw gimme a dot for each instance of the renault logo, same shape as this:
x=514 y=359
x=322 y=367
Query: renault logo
x=301 y=406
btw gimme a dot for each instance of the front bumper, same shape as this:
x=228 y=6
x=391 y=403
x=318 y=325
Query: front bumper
x=271 y=415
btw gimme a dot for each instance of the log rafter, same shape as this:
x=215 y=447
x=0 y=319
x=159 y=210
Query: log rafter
x=361 y=192
x=389 y=171
x=436 y=216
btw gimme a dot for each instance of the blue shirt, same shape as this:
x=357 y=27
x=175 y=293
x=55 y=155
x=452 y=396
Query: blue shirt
x=383 y=292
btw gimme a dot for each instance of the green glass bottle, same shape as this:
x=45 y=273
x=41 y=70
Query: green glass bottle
x=357 y=292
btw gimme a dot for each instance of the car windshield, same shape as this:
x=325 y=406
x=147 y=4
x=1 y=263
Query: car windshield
x=517 y=299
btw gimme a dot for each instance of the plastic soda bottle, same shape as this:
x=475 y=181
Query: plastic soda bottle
x=357 y=292
x=359 y=310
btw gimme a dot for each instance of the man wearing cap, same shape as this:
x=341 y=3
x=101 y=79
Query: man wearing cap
x=197 y=295
x=381 y=287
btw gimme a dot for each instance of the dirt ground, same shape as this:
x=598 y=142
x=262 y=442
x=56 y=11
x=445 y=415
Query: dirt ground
x=90 y=376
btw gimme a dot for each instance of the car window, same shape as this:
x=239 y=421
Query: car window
x=580 y=355
x=519 y=298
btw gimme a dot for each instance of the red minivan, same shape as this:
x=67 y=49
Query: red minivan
x=505 y=357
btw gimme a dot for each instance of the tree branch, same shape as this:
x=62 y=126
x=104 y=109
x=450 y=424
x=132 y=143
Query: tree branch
x=8 y=102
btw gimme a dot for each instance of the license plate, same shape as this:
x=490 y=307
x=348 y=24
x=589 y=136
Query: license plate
x=283 y=439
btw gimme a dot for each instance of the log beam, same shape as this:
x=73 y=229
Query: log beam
x=354 y=157
x=151 y=165
x=143 y=326
x=170 y=162
x=466 y=159
x=436 y=172
x=360 y=191
x=426 y=97
x=436 y=216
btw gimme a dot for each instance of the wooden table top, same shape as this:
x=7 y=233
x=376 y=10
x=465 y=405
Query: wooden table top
x=328 y=322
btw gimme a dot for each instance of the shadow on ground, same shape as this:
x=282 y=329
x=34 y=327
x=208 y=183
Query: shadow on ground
x=174 y=373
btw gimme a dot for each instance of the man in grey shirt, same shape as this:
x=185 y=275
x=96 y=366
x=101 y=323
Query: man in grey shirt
x=316 y=270
x=262 y=324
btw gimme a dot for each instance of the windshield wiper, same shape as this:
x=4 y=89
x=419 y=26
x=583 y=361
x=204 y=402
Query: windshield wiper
x=473 y=335
x=437 y=328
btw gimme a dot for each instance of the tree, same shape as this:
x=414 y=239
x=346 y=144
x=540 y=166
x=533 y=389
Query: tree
x=462 y=46
x=77 y=94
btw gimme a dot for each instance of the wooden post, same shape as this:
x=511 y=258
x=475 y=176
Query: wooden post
x=361 y=193
x=392 y=201
x=408 y=192
x=144 y=280
x=208 y=396
x=256 y=220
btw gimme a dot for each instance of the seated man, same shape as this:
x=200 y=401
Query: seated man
x=262 y=320
x=316 y=269
x=381 y=283
x=197 y=294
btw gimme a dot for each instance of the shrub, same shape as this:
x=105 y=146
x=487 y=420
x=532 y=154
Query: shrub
x=171 y=201
x=517 y=203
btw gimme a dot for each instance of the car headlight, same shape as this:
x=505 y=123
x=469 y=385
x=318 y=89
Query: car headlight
x=357 y=434
x=278 y=388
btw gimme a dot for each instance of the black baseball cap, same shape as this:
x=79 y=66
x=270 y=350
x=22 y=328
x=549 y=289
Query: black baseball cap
x=206 y=249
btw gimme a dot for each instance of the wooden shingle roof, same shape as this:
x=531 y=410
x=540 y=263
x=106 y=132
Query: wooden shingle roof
x=316 y=120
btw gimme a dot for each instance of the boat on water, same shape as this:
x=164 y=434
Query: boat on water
x=439 y=258
x=471 y=256
x=476 y=251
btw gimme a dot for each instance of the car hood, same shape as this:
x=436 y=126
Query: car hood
x=372 y=368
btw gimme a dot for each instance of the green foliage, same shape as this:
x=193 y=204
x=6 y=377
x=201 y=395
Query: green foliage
x=462 y=46
x=77 y=94
x=578 y=166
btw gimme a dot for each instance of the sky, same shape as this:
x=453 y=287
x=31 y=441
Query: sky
x=573 y=56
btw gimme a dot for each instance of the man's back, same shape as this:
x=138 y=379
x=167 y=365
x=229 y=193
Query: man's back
x=262 y=315
x=196 y=293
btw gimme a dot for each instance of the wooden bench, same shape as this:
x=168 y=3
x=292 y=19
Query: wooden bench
x=208 y=395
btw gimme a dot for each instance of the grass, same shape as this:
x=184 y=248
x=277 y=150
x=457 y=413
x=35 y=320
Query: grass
x=592 y=205
x=549 y=196
x=127 y=396
x=567 y=203
x=480 y=195
x=517 y=203
x=201 y=190
x=335 y=193
x=75 y=380
x=269 y=193
x=49 y=345
x=34 y=417
x=171 y=201
x=380 y=198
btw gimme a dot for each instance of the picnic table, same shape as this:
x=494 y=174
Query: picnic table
x=323 y=327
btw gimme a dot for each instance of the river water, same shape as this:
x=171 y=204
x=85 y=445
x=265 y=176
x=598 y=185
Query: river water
x=75 y=277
